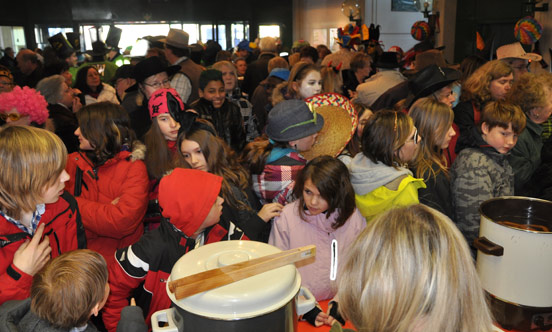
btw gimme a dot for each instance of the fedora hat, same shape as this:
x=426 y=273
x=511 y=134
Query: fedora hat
x=292 y=119
x=387 y=60
x=429 y=80
x=515 y=50
x=151 y=66
x=340 y=122
x=177 y=38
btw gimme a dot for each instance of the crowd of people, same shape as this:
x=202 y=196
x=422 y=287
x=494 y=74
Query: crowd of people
x=110 y=176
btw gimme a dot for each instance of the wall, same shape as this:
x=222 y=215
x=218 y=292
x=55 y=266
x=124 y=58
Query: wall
x=310 y=15
x=545 y=18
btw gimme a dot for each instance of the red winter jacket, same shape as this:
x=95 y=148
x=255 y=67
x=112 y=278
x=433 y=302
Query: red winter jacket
x=65 y=231
x=110 y=226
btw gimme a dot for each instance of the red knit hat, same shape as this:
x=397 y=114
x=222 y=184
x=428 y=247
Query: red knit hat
x=165 y=101
x=186 y=197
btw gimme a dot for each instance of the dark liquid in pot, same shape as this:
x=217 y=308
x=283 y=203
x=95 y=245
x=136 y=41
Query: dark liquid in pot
x=537 y=228
x=526 y=214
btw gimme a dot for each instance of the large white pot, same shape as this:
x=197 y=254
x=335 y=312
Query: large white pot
x=269 y=301
x=514 y=260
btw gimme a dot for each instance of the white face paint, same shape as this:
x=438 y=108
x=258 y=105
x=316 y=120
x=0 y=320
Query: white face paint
x=310 y=85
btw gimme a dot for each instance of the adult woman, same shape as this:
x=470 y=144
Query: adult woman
x=200 y=148
x=532 y=93
x=234 y=94
x=434 y=122
x=62 y=105
x=108 y=178
x=94 y=90
x=380 y=174
x=491 y=81
x=411 y=270
x=23 y=106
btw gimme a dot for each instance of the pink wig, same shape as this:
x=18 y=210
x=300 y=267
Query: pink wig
x=25 y=101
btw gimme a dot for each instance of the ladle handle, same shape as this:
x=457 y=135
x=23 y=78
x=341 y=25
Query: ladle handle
x=214 y=278
x=488 y=247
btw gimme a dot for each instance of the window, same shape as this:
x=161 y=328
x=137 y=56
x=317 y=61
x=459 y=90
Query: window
x=269 y=31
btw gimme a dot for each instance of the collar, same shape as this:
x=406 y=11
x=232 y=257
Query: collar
x=35 y=219
x=180 y=60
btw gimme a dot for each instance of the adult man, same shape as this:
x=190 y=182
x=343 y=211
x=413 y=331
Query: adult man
x=258 y=70
x=387 y=76
x=30 y=68
x=8 y=60
x=177 y=52
x=515 y=56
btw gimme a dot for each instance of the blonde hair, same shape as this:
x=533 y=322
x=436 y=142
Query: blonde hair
x=433 y=120
x=531 y=91
x=32 y=159
x=65 y=292
x=477 y=86
x=411 y=267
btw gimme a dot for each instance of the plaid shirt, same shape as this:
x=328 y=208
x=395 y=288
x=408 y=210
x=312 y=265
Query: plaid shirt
x=275 y=183
x=546 y=129
x=181 y=83
x=37 y=215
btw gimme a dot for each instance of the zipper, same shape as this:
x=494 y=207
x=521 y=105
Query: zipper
x=333 y=266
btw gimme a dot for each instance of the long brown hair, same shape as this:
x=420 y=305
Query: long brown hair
x=158 y=156
x=332 y=179
x=477 y=86
x=222 y=161
x=255 y=153
x=433 y=120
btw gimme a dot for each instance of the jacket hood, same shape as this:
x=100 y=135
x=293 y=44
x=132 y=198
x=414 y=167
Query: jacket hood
x=367 y=175
x=138 y=151
x=186 y=197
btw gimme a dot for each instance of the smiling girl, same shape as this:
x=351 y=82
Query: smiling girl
x=324 y=214
x=304 y=81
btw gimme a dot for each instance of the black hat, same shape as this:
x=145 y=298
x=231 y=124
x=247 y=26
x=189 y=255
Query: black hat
x=74 y=39
x=125 y=71
x=151 y=66
x=429 y=80
x=113 y=37
x=98 y=49
x=61 y=46
x=387 y=60
x=292 y=119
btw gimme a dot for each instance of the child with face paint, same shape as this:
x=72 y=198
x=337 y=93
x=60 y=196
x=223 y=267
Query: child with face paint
x=275 y=162
x=304 y=81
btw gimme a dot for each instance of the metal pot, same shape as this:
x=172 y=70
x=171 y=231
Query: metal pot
x=269 y=301
x=514 y=260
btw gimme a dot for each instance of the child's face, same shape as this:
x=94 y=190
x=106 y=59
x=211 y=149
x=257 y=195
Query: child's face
x=191 y=151
x=214 y=92
x=303 y=144
x=446 y=95
x=410 y=148
x=84 y=144
x=310 y=85
x=315 y=203
x=448 y=137
x=169 y=127
x=213 y=217
x=503 y=140
x=228 y=78
x=52 y=192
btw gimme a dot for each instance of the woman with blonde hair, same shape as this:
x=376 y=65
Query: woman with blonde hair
x=410 y=270
x=434 y=122
x=491 y=81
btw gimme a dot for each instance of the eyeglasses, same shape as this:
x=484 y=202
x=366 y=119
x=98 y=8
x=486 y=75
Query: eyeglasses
x=158 y=85
x=11 y=116
x=313 y=120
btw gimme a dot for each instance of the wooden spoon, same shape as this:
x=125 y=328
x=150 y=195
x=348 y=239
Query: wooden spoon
x=203 y=281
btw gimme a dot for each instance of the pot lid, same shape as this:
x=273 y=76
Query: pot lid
x=250 y=297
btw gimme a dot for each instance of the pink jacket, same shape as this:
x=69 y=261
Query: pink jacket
x=290 y=231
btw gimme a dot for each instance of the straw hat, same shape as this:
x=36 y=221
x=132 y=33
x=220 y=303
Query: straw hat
x=339 y=125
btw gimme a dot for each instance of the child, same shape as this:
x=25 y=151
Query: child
x=380 y=174
x=201 y=149
x=165 y=108
x=304 y=81
x=191 y=219
x=214 y=107
x=38 y=220
x=482 y=171
x=275 y=162
x=410 y=270
x=324 y=214
x=64 y=295
x=108 y=178
x=434 y=122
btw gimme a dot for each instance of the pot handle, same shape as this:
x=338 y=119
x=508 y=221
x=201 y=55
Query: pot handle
x=165 y=316
x=304 y=301
x=488 y=247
